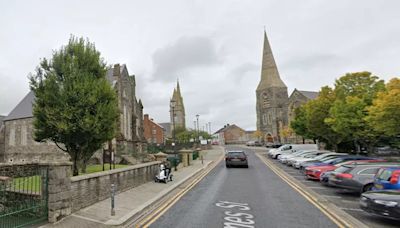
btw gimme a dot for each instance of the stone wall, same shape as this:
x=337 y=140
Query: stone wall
x=92 y=188
x=20 y=147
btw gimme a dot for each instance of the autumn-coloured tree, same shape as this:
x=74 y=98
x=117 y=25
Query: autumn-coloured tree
x=384 y=114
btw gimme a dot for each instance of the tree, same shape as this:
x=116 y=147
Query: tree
x=259 y=135
x=384 y=114
x=317 y=111
x=354 y=92
x=75 y=106
x=299 y=124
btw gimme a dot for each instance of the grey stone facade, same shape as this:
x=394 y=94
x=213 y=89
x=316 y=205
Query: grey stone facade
x=177 y=109
x=16 y=136
x=272 y=98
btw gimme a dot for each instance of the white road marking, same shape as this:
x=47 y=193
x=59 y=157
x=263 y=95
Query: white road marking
x=330 y=196
x=237 y=219
x=350 y=209
x=316 y=187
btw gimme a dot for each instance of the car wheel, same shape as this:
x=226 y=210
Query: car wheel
x=367 y=188
x=227 y=166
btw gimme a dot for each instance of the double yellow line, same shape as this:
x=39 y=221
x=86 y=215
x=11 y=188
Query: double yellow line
x=334 y=217
x=154 y=215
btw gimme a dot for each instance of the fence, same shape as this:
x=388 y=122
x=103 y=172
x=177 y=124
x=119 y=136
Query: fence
x=23 y=195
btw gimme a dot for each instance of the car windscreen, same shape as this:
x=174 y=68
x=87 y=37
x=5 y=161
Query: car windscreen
x=236 y=154
x=343 y=169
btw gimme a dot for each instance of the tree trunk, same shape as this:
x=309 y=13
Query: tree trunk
x=304 y=140
x=335 y=147
x=75 y=171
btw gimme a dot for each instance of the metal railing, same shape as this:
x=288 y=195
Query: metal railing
x=23 y=195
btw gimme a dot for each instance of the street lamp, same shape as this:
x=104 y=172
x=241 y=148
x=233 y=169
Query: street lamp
x=173 y=102
x=198 y=130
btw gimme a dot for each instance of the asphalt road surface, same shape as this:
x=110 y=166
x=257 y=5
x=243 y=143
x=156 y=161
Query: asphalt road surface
x=240 y=197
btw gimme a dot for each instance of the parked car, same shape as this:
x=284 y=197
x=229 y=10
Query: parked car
x=385 y=203
x=358 y=178
x=257 y=143
x=251 y=143
x=315 y=172
x=284 y=157
x=303 y=164
x=291 y=148
x=387 y=178
x=311 y=154
x=236 y=158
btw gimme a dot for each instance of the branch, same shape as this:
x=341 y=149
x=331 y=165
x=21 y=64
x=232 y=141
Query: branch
x=65 y=150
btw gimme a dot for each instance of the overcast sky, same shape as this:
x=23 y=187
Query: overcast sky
x=213 y=47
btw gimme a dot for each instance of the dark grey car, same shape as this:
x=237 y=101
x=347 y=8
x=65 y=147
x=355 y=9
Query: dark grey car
x=359 y=178
x=236 y=158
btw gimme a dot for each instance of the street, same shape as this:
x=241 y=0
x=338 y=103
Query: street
x=240 y=197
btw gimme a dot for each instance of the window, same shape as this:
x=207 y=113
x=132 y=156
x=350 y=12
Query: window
x=264 y=118
x=384 y=174
x=368 y=171
x=154 y=131
x=23 y=135
x=11 y=141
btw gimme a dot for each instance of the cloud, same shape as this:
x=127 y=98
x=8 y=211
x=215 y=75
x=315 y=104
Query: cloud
x=185 y=53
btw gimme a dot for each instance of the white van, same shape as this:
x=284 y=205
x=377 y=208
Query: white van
x=291 y=148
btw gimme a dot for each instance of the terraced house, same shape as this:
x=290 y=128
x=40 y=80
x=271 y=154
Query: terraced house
x=17 y=134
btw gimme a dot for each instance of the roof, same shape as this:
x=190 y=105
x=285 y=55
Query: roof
x=309 y=94
x=227 y=127
x=23 y=109
x=269 y=71
x=166 y=126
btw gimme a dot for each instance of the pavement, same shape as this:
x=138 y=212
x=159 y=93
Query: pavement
x=240 y=197
x=130 y=203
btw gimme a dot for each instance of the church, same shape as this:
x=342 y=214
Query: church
x=275 y=109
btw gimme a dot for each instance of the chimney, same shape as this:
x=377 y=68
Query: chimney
x=146 y=116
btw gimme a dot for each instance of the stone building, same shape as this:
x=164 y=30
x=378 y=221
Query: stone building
x=19 y=145
x=272 y=98
x=153 y=132
x=231 y=134
x=177 y=109
x=298 y=98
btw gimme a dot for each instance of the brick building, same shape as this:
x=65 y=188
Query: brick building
x=153 y=132
x=231 y=134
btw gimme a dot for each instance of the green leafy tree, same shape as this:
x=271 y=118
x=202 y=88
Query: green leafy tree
x=75 y=106
x=384 y=114
x=354 y=93
x=317 y=111
x=299 y=123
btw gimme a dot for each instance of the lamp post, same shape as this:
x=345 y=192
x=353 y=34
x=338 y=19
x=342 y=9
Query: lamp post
x=198 y=130
x=173 y=102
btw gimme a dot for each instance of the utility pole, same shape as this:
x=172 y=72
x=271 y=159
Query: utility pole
x=198 y=129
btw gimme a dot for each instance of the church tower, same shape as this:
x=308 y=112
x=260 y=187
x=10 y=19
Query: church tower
x=272 y=98
x=177 y=109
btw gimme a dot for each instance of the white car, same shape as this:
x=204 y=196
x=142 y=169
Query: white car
x=323 y=156
x=283 y=158
x=311 y=154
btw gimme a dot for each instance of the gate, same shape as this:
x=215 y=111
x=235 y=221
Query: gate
x=23 y=195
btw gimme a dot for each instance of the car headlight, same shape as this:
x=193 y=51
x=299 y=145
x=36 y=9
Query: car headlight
x=386 y=203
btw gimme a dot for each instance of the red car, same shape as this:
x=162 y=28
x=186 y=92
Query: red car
x=314 y=172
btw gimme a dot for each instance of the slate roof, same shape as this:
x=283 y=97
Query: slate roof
x=226 y=127
x=23 y=109
x=309 y=94
x=166 y=126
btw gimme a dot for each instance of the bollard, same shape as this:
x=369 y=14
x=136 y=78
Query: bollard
x=202 y=162
x=112 y=199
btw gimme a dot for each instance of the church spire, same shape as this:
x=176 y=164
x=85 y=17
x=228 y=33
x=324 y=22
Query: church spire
x=178 y=88
x=269 y=71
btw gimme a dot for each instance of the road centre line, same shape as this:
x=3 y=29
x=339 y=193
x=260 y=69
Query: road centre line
x=335 y=218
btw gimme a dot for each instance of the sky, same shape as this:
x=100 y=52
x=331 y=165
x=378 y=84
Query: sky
x=213 y=47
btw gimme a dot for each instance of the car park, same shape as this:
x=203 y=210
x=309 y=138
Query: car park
x=291 y=148
x=236 y=158
x=385 y=203
x=357 y=178
x=284 y=157
x=309 y=155
x=387 y=178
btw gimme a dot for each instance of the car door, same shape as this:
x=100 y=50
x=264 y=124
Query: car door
x=366 y=175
